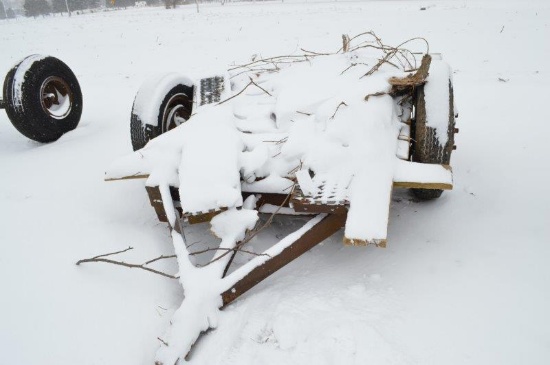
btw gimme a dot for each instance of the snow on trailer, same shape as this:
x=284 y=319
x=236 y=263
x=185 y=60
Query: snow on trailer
x=326 y=134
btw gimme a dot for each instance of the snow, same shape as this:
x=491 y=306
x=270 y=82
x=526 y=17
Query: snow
x=464 y=279
x=209 y=167
x=338 y=124
x=202 y=286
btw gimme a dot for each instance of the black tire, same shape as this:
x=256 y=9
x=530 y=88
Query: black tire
x=174 y=109
x=426 y=147
x=42 y=98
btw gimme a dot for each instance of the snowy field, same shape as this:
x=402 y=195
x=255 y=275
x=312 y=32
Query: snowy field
x=464 y=280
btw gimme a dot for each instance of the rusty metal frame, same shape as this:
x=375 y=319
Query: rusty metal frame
x=330 y=224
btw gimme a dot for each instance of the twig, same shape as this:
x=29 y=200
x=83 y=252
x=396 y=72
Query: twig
x=294 y=170
x=316 y=53
x=259 y=87
x=256 y=70
x=159 y=258
x=107 y=254
x=275 y=60
x=227 y=249
x=163 y=342
x=383 y=60
x=254 y=232
x=280 y=141
x=345 y=43
x=337 y=108
x=244 y=88
x=101 y=258
x=393 y=52
x=347 y=68
x=371 y=33
x=237 y=94
x=380 y=93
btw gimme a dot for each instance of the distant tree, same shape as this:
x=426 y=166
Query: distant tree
x=10 y=13
x=36 y=7
x=59 y=6
x=120 y=3
x=78 y=4
x=44 y=7
x=125 y=3
x=30 y=7
x=2 y=11
x=92 y=4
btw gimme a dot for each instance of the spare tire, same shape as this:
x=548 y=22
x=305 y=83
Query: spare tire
x=434 y=125
x=161 y=104
x=42 y=98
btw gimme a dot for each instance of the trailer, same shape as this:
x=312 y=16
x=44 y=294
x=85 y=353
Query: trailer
x=325 y=135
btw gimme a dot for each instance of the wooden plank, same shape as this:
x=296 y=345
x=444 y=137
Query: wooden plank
x=156 y=202
x=304 y=206
x=417 y=185
x=407 y=175
x=204 y=217
x=269 y=198
x=316 y=204
x=331 y=224
x=358 y=242
x=131 y=177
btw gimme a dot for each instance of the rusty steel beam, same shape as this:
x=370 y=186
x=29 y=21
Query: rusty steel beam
x=331 y=224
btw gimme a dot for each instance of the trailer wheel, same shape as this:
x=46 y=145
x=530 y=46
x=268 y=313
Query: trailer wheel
x=161 y=104
x=42 y=98
x=426 y=147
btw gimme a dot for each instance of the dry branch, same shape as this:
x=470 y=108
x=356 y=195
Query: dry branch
x=345 y=43
x=337 y=108
x=259 y=87
x=380 y=93
x=227 y=249
x=253 y=233
x=237 y=94
x=101 y=258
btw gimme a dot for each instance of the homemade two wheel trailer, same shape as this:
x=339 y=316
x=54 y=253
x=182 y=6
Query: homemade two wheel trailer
x=226 y=162
x=42 y=98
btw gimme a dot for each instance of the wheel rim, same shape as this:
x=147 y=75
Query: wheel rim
x=56 y=97
x=176 y=112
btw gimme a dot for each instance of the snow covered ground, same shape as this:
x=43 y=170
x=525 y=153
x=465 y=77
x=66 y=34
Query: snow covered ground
x=464 y=279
